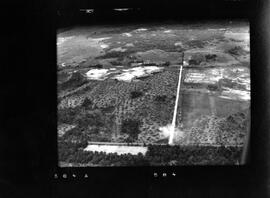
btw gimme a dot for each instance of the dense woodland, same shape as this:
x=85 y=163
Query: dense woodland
x=156 y=155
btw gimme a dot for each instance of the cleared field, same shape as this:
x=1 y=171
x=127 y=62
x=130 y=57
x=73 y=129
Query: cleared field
x=134 y=150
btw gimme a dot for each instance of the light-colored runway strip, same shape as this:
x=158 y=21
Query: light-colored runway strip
x=175 y=107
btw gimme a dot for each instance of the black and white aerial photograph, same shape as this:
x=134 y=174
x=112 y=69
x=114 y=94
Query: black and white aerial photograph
x=153 y=94
x=135 y=98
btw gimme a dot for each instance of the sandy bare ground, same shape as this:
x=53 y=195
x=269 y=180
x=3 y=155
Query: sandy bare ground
x=119 y=149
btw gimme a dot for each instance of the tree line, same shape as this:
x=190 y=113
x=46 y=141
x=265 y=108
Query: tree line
x=156 y=155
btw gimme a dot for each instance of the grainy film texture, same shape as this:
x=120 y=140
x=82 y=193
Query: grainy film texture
x=153 y=94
